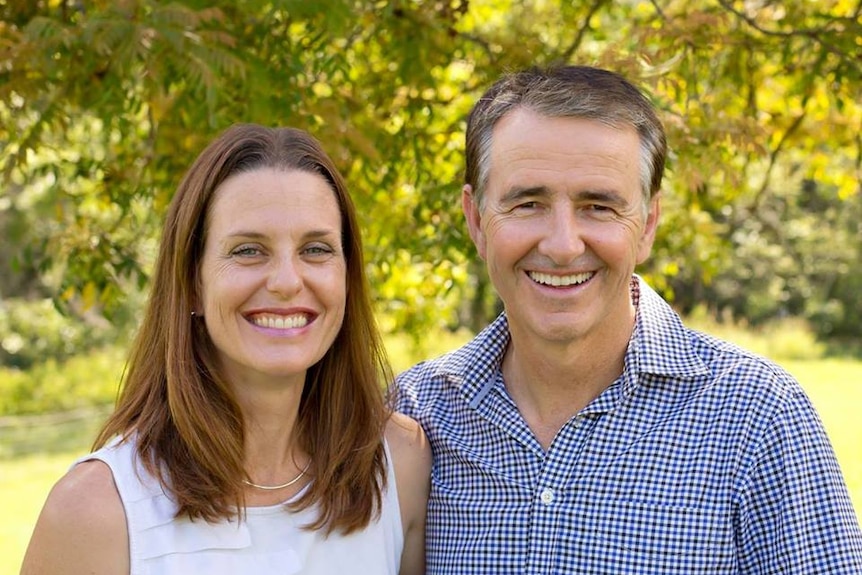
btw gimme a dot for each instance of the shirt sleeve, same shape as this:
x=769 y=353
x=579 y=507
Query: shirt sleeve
x=402 y=392
x=795 y=515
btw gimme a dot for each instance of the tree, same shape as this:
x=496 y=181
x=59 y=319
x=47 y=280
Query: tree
x=105 y=103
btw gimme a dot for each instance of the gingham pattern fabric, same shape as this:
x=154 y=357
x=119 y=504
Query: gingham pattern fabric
x=700 y=458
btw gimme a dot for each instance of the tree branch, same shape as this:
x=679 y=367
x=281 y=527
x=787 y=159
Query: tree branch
x=773 y=156
x=658 y=10
x=815 y=34
x=582 y=31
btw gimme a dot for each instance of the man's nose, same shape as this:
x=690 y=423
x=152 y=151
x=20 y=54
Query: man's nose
x=562 y=241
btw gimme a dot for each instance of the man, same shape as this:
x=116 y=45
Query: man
x=586 y=430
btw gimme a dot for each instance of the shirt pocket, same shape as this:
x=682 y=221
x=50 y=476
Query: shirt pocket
x=650 y=537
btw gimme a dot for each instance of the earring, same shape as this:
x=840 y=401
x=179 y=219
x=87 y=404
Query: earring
x=193 y=313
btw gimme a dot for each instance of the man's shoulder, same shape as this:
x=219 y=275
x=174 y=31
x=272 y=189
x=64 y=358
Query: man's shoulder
x=708 y=369
x=464 y=369
x=742 y=367
x=447 y=365
x=667 y=347
x=422 y=383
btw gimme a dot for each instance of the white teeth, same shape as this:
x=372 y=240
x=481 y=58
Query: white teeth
x=558 y=281
x=280 y=321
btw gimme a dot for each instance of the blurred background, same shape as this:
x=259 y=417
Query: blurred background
x=105 y=103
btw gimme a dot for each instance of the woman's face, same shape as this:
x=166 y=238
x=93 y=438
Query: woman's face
x=273 y=275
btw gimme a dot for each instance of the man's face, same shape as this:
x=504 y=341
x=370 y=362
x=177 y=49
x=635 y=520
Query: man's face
x=562 y=225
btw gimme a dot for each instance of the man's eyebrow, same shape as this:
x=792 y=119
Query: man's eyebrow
x=601 y=196
x=517 y=194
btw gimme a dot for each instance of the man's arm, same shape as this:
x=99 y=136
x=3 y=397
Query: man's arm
x=795 y=514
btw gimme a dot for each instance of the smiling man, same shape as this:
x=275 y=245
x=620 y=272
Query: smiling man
x=586 y=430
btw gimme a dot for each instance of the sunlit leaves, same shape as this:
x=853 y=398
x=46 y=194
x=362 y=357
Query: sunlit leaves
x=104 y=104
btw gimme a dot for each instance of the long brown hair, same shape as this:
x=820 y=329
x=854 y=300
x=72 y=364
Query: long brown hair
x=180 y=410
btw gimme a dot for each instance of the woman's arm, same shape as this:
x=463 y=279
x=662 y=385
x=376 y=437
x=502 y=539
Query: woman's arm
x=411 y=456
x=82 y=527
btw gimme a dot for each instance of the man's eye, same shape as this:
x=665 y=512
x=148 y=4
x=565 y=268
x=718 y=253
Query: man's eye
x=526 y=206
x=601 y=210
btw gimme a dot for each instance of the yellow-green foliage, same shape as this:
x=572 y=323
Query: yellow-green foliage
x=84 y=380
x=780 y=340
x=404 y=352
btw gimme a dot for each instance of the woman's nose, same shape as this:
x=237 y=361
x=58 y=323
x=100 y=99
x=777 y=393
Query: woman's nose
x=285 y=277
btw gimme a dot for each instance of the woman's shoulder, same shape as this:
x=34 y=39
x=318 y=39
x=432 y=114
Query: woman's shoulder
x=411 y=457
x=411 y=460
x=407 y=440
x=87 y=491
x=82 y=526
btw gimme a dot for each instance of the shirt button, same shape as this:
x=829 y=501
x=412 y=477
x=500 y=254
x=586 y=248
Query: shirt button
x=547 y=496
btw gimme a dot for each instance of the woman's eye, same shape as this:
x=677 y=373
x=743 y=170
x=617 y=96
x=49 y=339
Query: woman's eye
x=318 y=249
x=245 y=251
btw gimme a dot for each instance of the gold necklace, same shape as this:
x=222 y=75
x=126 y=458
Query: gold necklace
x=283 y=485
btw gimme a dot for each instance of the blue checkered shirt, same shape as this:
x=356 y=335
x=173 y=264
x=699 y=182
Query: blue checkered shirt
x=699 y=458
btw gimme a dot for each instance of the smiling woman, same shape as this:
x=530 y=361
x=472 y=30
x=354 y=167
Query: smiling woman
x=272 y=295
x=251 y=433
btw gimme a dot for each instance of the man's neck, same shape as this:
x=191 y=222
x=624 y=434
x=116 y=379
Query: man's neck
x=551 y=384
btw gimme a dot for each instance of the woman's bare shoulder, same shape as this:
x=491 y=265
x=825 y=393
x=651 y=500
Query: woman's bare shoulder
x=411 y=454
x=82 y=526
x=406 y=439
x=411 y=457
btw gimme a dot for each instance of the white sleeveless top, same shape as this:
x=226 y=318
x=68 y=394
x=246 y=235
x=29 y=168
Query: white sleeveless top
x=270 y=540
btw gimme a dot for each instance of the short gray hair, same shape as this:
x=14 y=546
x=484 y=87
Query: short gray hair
x=566 y=91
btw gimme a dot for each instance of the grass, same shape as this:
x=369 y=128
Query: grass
x=34 y=453
x=24 y=485
x=834 y=386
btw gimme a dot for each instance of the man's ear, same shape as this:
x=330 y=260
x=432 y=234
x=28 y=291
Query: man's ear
x=474 y=218
x=650 y=226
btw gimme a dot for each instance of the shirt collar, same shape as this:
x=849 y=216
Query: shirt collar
x=473 y=368
x=659 y=345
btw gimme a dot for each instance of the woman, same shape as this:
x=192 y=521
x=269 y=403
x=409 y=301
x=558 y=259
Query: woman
x=249 y=433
